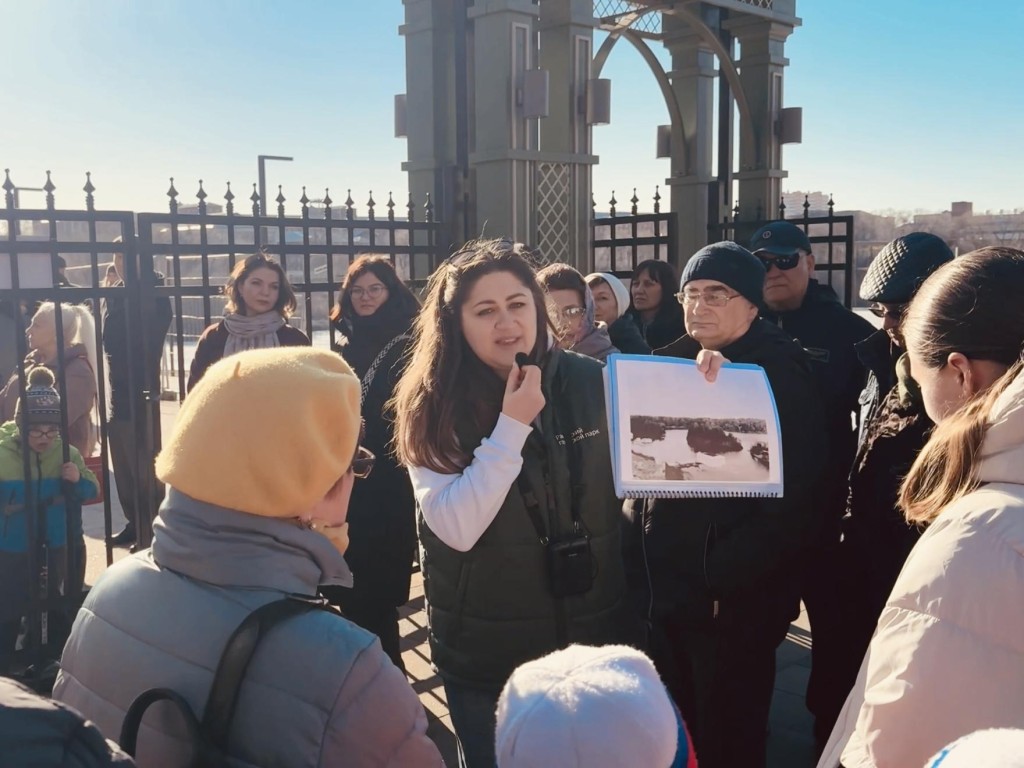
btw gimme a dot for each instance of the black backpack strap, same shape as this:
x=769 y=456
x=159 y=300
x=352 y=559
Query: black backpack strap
x=133 y=718
x=234 y=661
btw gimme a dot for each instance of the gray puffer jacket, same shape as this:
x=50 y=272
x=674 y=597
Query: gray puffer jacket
x=319 y=690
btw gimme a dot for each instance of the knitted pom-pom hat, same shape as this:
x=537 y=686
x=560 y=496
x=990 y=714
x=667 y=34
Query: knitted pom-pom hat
x=42 y=400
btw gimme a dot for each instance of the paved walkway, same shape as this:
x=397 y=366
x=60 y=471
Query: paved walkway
x=790 y=744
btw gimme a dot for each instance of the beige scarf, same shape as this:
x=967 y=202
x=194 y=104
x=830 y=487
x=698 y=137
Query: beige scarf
x=252 y=331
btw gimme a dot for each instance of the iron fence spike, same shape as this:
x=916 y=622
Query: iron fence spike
x=8 y=189
x=90 y=201
x=49 y=187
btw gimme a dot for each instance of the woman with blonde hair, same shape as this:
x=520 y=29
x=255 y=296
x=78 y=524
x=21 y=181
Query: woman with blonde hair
x=947 y=657
x=259 y=302
x=75 y=368
x=505 y=439
x=78 y=362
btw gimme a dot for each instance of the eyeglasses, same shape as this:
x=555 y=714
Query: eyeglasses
x=570 y=312
x=711 y=298
x=893 y=312
x=374 y=291
x=785 y=263
x=41 y=433
x=362 y=463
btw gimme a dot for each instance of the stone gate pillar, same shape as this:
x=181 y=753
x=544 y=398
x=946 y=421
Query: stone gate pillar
x=762 y=61
x=693 y=82
x=565 y=161
x=493 y=166
x=432 y=164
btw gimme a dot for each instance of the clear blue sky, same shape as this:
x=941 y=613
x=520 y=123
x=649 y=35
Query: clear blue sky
x=907 y=105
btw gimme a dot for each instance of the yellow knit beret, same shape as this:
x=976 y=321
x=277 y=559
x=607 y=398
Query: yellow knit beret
x=267 y=431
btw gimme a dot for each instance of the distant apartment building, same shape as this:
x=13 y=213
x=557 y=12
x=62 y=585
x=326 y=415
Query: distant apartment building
x=965 y=230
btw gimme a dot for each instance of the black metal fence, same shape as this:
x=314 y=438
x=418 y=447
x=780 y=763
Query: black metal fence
x=195 y=250
x=621 y=241
x=185 y=255
x=831 y=237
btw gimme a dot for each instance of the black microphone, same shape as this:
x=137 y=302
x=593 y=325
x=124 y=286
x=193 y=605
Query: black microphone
x=522 y=359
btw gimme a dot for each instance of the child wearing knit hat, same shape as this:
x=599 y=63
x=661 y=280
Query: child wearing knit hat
x=53 y=483
x=593 y=707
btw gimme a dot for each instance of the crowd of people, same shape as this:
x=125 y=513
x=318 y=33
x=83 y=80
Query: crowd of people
x=300 y=486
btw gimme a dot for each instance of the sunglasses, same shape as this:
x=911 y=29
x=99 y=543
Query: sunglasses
x=362 y=463
x=784 y=263
x=895 y=312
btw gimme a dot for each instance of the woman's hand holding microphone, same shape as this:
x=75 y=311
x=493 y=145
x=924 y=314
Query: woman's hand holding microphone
x=523 y=397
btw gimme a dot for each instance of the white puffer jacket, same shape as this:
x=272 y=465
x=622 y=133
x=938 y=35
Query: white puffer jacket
x=947 y=657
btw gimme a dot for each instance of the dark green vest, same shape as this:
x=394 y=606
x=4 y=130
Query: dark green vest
x=490 y=609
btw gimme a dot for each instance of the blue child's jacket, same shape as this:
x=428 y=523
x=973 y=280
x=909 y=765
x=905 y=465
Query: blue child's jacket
x=47 y=488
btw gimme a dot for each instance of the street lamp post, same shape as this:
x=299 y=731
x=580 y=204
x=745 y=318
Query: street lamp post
x=261 y=161
x=19 y=190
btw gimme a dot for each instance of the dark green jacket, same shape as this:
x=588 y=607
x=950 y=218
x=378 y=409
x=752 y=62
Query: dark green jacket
x=490 y=608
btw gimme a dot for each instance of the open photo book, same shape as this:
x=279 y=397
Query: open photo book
x=676 y=435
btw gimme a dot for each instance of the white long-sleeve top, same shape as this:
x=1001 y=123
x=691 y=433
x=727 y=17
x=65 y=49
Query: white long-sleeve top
x=458 y=508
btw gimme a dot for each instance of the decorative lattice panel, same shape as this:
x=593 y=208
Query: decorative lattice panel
x=552 y=205
x=611 y=13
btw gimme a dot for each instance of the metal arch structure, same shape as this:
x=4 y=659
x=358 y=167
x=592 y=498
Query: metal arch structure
x=671 y=102
x=622 y=30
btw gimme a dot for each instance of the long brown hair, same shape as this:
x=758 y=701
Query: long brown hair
x=448 y=400
x=971 y=305
x=286 y=302
x=400 y=298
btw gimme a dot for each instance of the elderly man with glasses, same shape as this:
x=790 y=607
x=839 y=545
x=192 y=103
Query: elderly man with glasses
x=714 y=577
x=812 y=314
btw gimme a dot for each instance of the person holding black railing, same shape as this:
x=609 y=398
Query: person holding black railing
x=55 y=486
x=129 y=344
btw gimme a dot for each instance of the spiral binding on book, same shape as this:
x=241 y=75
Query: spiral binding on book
x=631 y=494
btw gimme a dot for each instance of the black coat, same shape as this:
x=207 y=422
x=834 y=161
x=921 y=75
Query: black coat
x=38 y=731
x=626 y=337
x=382 y=510
x=123 y=349
x=730 y=562
x=876 y=537
x=830 y=333
x=666 y=327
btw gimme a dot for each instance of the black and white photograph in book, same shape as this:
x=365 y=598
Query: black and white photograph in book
x=674 y=431
x=667 y=448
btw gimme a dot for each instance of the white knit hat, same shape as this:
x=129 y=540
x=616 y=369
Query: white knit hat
x=582 y=706
x=618 y=289
x=992 y=748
